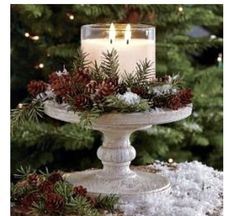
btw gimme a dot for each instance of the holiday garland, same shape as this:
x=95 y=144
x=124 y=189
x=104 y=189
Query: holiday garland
x=47 y=194
x=97 y=89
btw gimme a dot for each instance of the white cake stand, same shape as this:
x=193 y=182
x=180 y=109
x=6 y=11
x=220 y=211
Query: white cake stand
x=116 y=153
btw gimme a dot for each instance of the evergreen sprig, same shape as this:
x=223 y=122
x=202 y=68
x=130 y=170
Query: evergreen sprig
x=39 y=194
x=143 y=69
x=80 y=59
x=107 y=202
x=110 y=64
x=28 y=112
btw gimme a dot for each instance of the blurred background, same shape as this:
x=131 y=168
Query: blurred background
x=189 y=42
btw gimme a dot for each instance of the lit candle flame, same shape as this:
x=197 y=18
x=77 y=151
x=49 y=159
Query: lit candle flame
x=112 y=33
x=128 y=33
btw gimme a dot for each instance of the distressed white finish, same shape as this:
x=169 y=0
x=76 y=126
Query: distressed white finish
x=116 y=153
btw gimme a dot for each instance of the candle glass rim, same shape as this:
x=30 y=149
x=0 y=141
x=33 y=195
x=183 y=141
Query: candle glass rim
x=118 y=26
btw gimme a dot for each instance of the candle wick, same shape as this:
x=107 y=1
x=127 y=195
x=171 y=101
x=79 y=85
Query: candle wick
x=111 y=41
x=127 y=41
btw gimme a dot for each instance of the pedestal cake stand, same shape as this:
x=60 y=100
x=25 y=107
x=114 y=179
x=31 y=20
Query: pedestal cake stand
x=116 y=153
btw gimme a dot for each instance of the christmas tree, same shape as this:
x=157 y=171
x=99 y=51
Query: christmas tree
x=45 y=38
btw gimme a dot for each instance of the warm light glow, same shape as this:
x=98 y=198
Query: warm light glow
x=36 y=37
x=128 y=33
x=219 y=59
x=71 y=17
x=112 y=33
x=41 y=65
x=26 y=34
x=180 y=9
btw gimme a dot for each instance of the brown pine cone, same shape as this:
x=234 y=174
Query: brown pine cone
x=79 y=190
x=33 y=179
x=91 y=87
x=107 y=87
x=27 y=201
x=81 y=76
x=62 y=86
x=36 y=87
x=54 y=203
x=55 y=177
x=174 y=102
x=159 y=101
x=52 y=77
x=141 y=91
x=82 y=102
x=185 y=96
x=46 y=187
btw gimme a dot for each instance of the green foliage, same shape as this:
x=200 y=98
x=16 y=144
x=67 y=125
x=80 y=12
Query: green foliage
x=65 y=199
x=110 y=64
x=198 y=137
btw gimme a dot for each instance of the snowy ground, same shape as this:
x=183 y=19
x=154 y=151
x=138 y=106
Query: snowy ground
x=197 y=190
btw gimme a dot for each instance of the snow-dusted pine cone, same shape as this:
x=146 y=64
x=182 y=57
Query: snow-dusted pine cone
x=91 y=87
x=36 y=87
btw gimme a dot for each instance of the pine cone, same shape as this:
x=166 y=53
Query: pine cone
x=122 y=88
x=79 y=190
x=46 y=187
x=52 y=77
x=141 y=91
x=81 y=76
x=33 y=179
x=27 y=201
x=159 y=101
x=91 y=87
x=55 y=177
x=36 y=87
x=107 y=87
x=54 y=203
x=62 y=86
x=82 y=102
x=174 y=102
x=185 y=96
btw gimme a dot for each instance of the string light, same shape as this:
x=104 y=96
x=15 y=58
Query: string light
x=213 y=37
x=180 y=9
x=36 y=37
x=219 y=58
x=26 y=34
x=41 y=65
x=20 y=105
x=71 y=17
x=170 y=160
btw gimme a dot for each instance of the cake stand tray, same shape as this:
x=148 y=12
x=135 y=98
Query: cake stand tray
x=116 y=152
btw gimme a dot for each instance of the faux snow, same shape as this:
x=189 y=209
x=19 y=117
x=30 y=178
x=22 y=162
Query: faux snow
x=196 y=190
x=129 y=98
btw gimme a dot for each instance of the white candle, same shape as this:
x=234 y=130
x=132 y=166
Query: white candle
x=130 y=50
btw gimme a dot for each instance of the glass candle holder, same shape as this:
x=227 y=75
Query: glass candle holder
x=133 y=43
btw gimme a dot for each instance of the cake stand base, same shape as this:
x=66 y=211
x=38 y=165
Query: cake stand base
x=138 y=187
